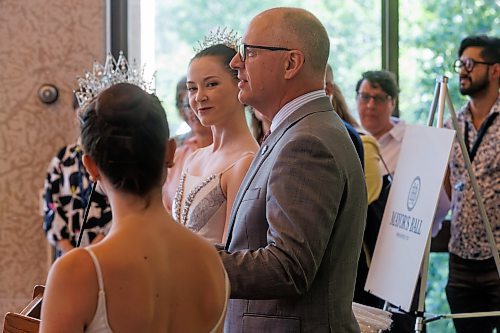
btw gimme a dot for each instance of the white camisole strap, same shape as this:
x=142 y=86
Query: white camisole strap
x=97 y=266
x=244 y=155
x=99 y=323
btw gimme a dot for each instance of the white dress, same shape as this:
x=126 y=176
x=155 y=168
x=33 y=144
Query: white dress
x=200 y=203
x=100 y=323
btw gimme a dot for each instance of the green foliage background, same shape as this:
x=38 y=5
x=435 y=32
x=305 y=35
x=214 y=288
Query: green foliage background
x=181 y=24
x=428 y=44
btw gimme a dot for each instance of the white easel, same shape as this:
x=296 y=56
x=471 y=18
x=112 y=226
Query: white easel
x=441 y=97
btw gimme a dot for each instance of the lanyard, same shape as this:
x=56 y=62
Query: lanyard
x=480 y=135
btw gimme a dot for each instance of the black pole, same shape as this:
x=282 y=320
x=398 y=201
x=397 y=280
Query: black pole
x=119 y=27
x=390 y=40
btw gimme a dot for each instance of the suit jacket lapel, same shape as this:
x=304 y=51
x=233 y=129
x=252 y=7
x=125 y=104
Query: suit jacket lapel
x=245 y=184
x=318 y=105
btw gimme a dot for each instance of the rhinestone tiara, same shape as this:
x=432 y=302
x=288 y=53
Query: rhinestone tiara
x=223 y=36
x=112 y=72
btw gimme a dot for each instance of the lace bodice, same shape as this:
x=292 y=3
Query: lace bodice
x=201 y=204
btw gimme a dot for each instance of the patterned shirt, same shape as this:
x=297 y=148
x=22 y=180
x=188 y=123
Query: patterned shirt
x=65 y=197
x=468 y=234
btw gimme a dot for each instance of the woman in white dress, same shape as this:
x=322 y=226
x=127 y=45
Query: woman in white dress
x=136 y=279
x=212 y=175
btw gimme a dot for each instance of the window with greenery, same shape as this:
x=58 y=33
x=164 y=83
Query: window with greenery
x=429 y=36
x=354 y=27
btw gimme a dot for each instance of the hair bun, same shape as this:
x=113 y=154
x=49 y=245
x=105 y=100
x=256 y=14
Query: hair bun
x=124 y=104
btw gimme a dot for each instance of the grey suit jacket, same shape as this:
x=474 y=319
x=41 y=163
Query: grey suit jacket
x=296 y=229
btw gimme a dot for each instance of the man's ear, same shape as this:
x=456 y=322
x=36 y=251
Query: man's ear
x=394 y=102
x=91 y=167
x=328 y=89
x=170 y=152
x=496 y=71
x=294 y=63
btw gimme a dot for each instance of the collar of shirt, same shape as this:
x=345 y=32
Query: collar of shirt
x=397 y=132
x=294 y=105
x=495 y=108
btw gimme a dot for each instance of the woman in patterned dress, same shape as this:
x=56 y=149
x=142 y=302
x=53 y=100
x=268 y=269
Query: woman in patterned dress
x=65 y=196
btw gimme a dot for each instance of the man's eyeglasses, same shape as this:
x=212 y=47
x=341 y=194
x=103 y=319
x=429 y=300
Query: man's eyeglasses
x=378 y=99
x=468 y=64
x=242 y=49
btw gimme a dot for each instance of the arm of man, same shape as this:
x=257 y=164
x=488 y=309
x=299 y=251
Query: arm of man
x=64 y=245
x=304 y=191
x=447 y=184
x=443 y=205
x=98 y=238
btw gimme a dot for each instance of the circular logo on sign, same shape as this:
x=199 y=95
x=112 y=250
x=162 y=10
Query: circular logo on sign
x=413 y=193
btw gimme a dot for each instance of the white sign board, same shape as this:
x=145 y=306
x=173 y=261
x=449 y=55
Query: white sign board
x=409 y=214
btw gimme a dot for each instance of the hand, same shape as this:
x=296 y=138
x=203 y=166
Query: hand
x=65 y=246
x=219 y=247
x=97 y=238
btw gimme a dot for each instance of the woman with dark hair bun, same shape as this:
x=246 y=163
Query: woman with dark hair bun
x=212 y=175
x=149 y=274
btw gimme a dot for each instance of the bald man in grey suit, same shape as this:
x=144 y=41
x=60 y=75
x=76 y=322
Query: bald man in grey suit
x=296 y=226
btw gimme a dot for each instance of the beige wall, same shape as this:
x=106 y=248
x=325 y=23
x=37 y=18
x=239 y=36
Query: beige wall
x=41 y=41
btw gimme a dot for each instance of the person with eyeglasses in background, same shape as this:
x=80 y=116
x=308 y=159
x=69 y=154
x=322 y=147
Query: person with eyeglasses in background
x=377 y=93
x=376 y=96
x=473 y=281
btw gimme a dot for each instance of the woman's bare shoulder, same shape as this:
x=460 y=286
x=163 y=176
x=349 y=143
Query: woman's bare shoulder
x=69 y=297
x=201 y=280
x=74 y=267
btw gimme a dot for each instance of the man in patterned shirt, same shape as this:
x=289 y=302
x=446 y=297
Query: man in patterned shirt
x=474 y=283
x=65 y=196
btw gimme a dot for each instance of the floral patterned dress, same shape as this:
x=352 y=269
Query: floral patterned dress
x=65 y=196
